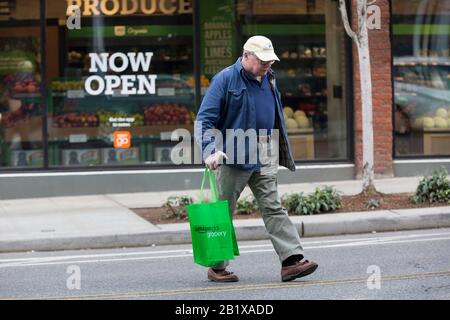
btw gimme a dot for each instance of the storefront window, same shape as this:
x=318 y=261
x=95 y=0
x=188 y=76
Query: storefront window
x=120 y=76
x=309 y=39
x=126 y=73
x=20 y=79
x=421 y=37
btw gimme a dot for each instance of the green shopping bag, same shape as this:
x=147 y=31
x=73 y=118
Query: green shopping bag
x=212 y=231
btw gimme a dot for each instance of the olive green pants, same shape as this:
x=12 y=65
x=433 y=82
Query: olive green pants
x=283 y=234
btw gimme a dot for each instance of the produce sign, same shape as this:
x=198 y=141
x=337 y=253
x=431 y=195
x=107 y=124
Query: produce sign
x=128 y=84
x=131 y=7
x=113 y=119
x=217 y=23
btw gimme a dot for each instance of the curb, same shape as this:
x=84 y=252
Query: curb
x=251 y=229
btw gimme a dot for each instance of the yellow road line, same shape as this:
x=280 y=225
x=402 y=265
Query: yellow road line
x=231 y=288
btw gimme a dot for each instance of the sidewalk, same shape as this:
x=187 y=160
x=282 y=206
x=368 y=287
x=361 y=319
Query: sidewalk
x=106 y=221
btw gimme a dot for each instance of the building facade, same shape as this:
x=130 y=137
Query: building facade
x=91 y=91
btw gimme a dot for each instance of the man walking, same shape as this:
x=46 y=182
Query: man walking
x=244 y=97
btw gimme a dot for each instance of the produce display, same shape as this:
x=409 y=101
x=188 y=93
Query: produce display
x=308 y=81
x=21 y=83
x=308 y=108
x=168 y=54
x=76 y=120
x=304 y=90
x=167 y=114
x=204 y=81
x=25 y=111
x=302 y=80
x=320 y=71
x=156 y=114
x=288 y=112
x=74 y=57
x=62 y=86
x=295 y=120
x=439 y=119
x=304 y=52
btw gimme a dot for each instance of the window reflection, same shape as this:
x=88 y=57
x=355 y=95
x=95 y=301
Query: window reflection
x=20 y=80
x=421 y=77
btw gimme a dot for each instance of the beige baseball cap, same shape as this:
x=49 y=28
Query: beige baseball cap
x=262 y=47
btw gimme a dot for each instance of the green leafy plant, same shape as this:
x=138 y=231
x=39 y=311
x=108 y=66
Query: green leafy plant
x=176 y=206
x=305 y=206
x=326 y=199
x=247 y=205
x=292 y=200
x=373 y=204
x=321 y=200
x=434 y=188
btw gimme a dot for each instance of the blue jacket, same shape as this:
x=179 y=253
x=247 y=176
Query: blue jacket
x=228 y=105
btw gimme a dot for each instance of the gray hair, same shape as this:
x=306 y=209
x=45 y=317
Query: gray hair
x=249 y=52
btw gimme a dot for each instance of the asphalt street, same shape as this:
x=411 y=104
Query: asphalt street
x=394 y=265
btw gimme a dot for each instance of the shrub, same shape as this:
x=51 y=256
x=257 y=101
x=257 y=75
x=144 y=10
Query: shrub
x=247 y=205
x=327 y=199
x=434 y=188
x=305 y=205
x=176 y=206
x=321 y=200
x=292 y=200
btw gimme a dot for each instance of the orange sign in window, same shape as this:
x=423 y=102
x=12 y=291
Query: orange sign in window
x=122 y=139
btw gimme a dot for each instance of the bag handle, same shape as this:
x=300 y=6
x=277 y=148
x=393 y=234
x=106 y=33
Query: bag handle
x=212 y=184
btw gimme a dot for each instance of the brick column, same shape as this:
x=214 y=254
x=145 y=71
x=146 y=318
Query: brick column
x=380 y=58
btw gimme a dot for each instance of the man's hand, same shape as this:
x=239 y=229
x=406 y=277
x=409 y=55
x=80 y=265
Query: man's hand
x=215 y=160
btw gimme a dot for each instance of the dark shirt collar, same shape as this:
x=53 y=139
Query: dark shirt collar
x=251 y=77
x=248 y=75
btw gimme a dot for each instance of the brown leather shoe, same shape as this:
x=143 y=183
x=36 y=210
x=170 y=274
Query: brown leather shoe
x=299 y=269
x=222 y=276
